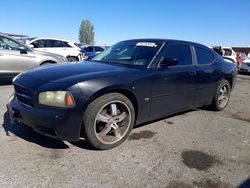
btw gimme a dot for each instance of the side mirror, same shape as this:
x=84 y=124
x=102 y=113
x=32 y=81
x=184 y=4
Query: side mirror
x=169 y=61
x=23 y=50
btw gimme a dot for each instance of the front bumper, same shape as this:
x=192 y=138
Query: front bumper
x=56 y=123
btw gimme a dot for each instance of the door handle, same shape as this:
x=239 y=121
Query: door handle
x=192 y=73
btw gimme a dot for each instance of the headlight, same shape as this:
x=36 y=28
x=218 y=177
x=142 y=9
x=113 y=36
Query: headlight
x=56 y=98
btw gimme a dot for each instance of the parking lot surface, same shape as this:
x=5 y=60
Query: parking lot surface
x=198 y=148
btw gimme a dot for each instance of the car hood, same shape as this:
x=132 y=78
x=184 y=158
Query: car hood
x=76 y=72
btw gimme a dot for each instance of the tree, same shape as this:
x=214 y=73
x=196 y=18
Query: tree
x=86 y=32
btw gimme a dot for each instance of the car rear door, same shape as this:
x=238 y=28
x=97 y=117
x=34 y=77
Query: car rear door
x=208 y=74
x=173 y=87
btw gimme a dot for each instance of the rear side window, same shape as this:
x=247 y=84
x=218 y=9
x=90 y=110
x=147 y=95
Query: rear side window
x=203 y=56
x=56 y=44
x=181 y=52
x=89 y=49
x=39 y=44
x=65 y=44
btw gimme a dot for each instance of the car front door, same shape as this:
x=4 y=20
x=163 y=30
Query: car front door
x=14 y=57
x=173 y=86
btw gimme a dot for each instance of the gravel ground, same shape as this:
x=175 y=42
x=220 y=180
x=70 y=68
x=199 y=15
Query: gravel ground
x=197 y=148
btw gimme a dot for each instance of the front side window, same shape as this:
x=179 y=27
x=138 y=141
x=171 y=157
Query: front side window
x=39 y=44
x=8 y=44
x=180 y=52
x=203 y=56
x=137 y=53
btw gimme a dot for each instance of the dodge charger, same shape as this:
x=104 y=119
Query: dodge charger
x=130 y=83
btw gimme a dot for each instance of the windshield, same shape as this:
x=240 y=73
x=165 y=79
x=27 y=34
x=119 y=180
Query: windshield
x=130 y=53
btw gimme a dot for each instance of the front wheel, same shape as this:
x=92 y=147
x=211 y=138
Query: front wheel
x=222 y=96
x=108 y=120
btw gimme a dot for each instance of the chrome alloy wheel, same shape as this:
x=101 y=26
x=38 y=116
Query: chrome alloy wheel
x=112 y=122
x=224 y=95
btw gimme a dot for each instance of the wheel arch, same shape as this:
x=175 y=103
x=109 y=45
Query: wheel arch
x=230 y=80
x=104 y=91
x=130 y=95
x=48 y=61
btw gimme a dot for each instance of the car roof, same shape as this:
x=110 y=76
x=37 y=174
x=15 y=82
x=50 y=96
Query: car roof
x=92 y=46
x=226 y=47
x=166 y=41
x=48 y=38
x=1 y=34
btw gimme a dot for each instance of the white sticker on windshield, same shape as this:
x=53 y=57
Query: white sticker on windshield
x=148 y=44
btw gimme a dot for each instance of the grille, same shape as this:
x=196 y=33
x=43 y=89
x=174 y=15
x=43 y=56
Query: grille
x=23 y=95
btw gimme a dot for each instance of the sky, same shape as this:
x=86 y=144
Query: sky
x=210 y=22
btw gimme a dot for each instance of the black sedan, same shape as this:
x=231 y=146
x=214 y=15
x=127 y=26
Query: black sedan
x=130 y=83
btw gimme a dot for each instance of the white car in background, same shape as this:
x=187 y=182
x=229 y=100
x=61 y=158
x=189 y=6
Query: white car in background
x=62 y=47
x=229 y=53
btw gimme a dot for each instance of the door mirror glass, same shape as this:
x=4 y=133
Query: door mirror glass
x=168 y=61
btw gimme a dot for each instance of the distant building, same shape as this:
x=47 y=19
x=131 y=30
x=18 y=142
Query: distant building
x=245 y=50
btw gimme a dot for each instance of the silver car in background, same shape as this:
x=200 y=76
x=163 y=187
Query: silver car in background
x=16 y=57
x=245 y=66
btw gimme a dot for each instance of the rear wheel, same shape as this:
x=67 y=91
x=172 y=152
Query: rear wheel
x=72 y=59
x=108 y=120
x=222 y=96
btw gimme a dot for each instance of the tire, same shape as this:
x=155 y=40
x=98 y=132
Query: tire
x=217 y=104
x=106 y=134
x=72 y=59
